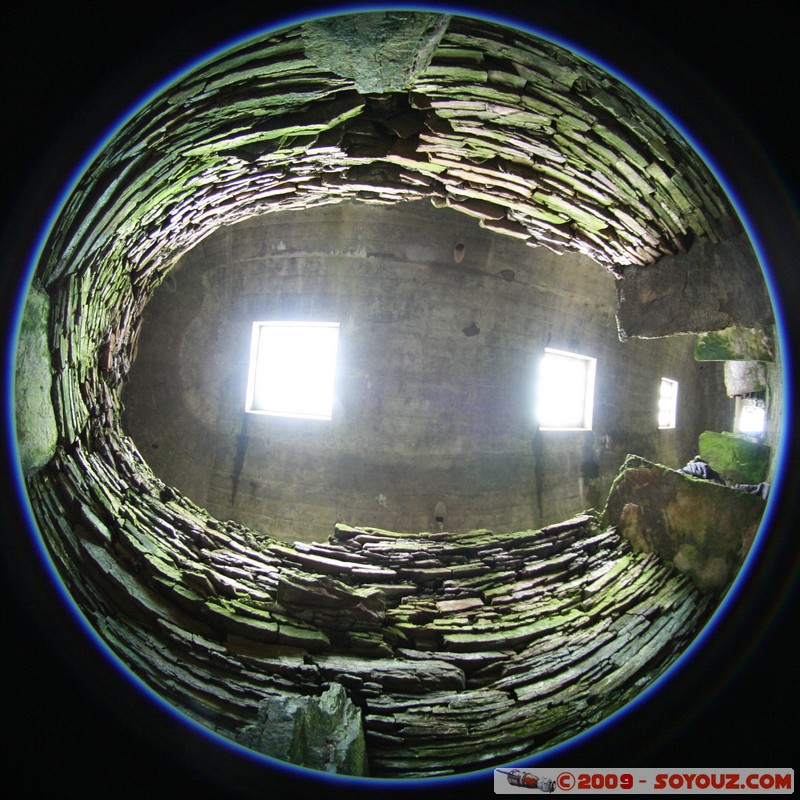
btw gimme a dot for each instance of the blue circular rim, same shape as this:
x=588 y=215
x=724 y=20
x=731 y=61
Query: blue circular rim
x=723 y=612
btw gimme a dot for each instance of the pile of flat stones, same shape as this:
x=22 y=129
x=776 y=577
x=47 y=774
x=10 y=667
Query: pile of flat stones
x=444 y=641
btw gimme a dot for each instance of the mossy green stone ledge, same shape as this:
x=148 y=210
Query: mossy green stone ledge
x=734 y=344
x=737 y=458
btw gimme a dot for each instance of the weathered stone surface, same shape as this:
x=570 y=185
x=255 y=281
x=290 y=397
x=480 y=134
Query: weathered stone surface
x=737 y=458
x=37 y=434
x=571 y=624
x=744 y=377
x=321 y=733
x=401 y=675
x=379 y=51
x=735 y=344
x=704 y=529
x=711 y=288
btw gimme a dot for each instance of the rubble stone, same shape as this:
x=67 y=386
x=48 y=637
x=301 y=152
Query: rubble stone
x=321 y=733
x=737 y=458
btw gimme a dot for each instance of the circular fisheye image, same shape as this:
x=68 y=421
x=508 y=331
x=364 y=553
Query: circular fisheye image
x=398 y=395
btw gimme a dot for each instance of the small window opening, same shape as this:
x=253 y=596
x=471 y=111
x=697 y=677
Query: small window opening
x=565 y=394
x=667 y=403
x=750 y=414
x=292 y=369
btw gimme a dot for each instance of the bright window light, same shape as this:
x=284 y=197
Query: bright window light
x=292 y=369
x=667 y=403
x=751 y=416
x=565 y=395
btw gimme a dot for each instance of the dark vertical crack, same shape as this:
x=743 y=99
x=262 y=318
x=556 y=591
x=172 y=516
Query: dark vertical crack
x=239 y=455
x=538 y=471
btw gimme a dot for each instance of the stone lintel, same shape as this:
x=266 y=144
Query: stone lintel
x=710 y=288
x=380 y=52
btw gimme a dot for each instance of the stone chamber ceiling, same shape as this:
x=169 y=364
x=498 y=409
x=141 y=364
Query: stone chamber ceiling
x=280 y=169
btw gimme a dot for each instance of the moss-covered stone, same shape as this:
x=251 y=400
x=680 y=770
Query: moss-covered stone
x=321 y=733
x=736 y=458
x=703 y=529
x=734 y=344
x=36 y=423
x=379 y=51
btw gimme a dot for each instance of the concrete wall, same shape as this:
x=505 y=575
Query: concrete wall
x=427 y=409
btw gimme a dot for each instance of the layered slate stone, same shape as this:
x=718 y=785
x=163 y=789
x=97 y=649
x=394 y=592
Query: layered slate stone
x=529 y=138
x=450 y=651
x=479 y=648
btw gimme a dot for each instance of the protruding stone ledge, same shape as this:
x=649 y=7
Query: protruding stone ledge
x=710 y=288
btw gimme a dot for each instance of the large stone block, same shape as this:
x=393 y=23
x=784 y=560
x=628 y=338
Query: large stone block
x=712 y=287
x=379 y=51
x=321 y=733
x=703 y=529
x=34 y=416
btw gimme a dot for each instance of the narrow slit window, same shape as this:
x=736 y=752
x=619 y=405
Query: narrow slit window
x=292 y=369
x=667 y=403
x=565 y=392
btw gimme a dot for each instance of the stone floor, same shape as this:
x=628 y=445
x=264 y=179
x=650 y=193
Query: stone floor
x=461 y=651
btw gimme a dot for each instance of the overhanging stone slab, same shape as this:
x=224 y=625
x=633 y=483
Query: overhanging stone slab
x=710 y=288
x=735 y=344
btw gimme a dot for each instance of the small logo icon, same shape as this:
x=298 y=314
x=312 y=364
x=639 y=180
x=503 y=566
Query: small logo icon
x=527 y=780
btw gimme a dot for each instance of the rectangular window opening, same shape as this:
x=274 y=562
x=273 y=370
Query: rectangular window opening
x=565 y=391
x=750 y=416
x=292 y=369
x=667 y=404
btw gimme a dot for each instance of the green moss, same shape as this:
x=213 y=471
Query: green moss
x=733 y=344
x=736 y=458
x=702 y=527
x=37 y=435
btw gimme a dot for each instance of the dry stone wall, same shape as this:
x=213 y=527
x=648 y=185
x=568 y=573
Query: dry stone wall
x=437 y=642
x=513 y=642
x=532 y=140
